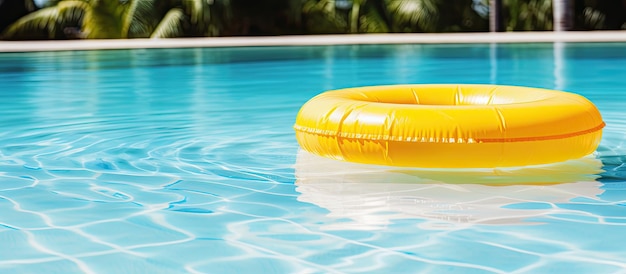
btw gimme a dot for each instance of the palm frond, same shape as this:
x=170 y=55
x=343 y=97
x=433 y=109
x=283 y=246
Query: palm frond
x=528 y=14
x=141 y=17
x=593 y=18
x=36 y=25
x=355 y=14
x=129 y=14
x=314 y=6
x=103 y=20
x=213 y=17
x=322 y=17
x=198 y=11
x=72 y=12
x=47 y=22
x=372 y=22
x=171 y=25
x=201 y=15
x=409 y=14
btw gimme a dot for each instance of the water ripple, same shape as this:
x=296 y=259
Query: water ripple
x=169 y=161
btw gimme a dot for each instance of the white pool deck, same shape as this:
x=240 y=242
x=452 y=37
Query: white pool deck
x=344 y=39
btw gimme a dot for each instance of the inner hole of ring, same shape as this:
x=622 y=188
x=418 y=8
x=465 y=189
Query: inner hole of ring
x=455 y=97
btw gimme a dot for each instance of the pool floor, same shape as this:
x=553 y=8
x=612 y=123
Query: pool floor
x=185 y=161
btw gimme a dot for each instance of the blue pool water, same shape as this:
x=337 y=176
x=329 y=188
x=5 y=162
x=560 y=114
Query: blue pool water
x=185 y=161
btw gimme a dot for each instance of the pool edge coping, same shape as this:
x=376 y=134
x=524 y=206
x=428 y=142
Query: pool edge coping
x=316 y=40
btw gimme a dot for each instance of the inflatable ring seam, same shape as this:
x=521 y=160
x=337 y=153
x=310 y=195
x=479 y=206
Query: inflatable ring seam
x=442 y=140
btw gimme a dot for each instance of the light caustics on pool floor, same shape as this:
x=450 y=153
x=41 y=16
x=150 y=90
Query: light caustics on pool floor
x=208 y=220
x=173 y=161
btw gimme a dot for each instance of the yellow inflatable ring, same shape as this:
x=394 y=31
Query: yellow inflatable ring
x=449 y=126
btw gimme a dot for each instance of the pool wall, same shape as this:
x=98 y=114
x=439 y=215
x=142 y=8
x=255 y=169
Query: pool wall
x=349 y=39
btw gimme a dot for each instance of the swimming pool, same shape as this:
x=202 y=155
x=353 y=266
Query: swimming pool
x=185 y=160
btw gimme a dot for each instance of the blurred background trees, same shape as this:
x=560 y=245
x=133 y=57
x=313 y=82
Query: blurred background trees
x=600 y=14
x=74 y=19
x=527 y=15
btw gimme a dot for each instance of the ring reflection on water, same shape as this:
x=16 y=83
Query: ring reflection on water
x=374 y=196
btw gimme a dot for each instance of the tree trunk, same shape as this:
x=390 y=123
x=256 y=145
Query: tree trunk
x=562 y=11
x=495 y=16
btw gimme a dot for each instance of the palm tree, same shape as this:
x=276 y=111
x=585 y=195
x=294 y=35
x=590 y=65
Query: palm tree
x=172 y=18
x=104 y=19
x=495 y=16
x=562 y=11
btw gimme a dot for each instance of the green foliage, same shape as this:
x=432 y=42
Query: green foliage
x=105 y=19
x=413 y=16
x=48 y=22
x=527 y=15
x=323 y=17
x=366 y=16
x=372 y=21
x=64 y=19
x=170 y=25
